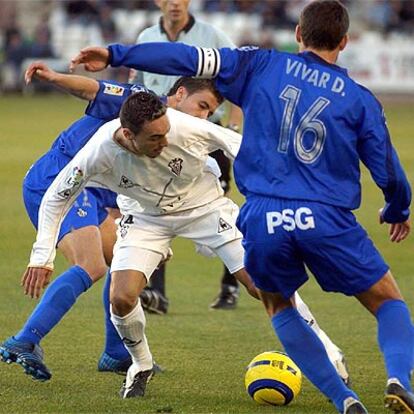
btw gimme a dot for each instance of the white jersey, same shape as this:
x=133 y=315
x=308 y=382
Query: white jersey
x=177 y=180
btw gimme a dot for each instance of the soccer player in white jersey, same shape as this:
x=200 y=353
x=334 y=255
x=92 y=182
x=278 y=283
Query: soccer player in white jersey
x=176 y=24
x=157 y=157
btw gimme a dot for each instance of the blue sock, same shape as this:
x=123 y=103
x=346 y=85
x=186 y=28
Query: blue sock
x=114 y=346
x=305 y=348
x=396 y=340
x=58 y=298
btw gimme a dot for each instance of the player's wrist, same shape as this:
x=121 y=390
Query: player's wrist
x=110 y=56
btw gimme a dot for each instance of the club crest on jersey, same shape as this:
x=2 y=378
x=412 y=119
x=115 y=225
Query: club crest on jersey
x=176 y=166
x=115 y=90
x=126 y=182
x=223 y=225
x=81 y=212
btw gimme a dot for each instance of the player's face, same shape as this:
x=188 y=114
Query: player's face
x=151 y=140
x=174 y=10
x=201 y=104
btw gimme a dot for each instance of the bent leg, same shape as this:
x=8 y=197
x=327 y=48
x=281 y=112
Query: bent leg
x=296 y=337
x=395 y=329
x=77 y=246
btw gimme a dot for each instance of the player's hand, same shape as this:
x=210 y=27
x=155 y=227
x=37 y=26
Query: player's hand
x=397 y=231
x=34 y=280
x=94 y=59
x=39 y=70
x=243 y=277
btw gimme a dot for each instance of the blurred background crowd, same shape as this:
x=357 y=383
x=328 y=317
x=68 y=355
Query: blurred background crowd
x=57 y=29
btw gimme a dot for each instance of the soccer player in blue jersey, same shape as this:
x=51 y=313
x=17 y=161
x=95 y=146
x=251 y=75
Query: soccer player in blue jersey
x=88 y=233
x=307 y=127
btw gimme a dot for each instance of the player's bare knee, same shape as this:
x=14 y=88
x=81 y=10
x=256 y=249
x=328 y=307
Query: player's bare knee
x=274 y=302
x=95 y=270
x=122 y=303
x=382 y=291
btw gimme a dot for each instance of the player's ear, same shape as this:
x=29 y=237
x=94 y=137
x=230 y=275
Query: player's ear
x=343 y=42
x=298 y=34
x=180 y=94
x=128 y=134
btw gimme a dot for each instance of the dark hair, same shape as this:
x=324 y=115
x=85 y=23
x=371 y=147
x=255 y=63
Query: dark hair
x=194 y=85
x=139 y=108
x=323 y=24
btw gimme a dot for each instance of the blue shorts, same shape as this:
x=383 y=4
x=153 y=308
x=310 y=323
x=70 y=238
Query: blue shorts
x=89 y=209
x=281 y=236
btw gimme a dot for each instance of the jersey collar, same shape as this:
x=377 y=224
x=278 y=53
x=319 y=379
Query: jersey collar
x=186 y=28
x=313 y=56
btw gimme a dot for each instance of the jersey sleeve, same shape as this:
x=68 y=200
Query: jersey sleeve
x=60 y=196
x=230 y=67
x=221 y=138
x=110 y=97
x=381 y=159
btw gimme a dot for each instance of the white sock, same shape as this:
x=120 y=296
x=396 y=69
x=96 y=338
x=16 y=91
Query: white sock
x=131 y=328
x=334 y=353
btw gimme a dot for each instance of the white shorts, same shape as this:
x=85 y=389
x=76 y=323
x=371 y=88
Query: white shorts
x=212 y=225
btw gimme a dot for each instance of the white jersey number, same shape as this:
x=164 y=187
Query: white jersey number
x=309 y=123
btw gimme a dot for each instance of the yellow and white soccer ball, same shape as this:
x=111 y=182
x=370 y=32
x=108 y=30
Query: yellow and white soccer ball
x=273 y=378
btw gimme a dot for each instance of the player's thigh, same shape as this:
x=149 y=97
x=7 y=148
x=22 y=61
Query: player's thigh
x=142 y=242
x=232 y=255
x=339 y=252
x=271 y=256
x=80 y=239
x=107 y=213
x=108 y=237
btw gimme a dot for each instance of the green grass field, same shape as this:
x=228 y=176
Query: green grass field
x=204 y=352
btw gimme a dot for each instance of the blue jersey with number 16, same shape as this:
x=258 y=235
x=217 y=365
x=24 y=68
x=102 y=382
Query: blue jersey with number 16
x=307 y=124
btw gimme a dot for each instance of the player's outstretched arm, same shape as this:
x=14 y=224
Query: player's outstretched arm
x=79 y=86
x=164 y=58
x=35 y=279
x=397 y=231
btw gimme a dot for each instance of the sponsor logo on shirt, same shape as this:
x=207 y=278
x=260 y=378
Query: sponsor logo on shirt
x=73 y=182
x=115 y=90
